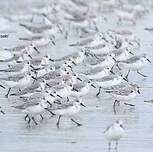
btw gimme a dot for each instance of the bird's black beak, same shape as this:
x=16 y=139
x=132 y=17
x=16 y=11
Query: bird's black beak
x=82 y=104
x=2 y=112
x=30 y=56
x=33 y=77
x=73 y=62
x=36 y=50
x=93 y=85
x=125 y=79
x=75 y=89
x=69 y=66
x=112 y=72
x=2 y=86
x=49 y=103
x=48 y=85
x=52 y=95
x=114 y=59
x=59 y=96
x=31 y=66
x=51 y=60
x=18 y=61
x=79 y=79
x=53 y=42
x=131 y=53
x=148 y=60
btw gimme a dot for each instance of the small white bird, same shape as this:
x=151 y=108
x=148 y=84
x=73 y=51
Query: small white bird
x=135 y=63
x=32 y=109
x=114 y=132
x=68 y=110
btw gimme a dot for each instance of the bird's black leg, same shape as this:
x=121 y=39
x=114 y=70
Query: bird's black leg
x=26 y=116
x=118 y=103
x=116 y=146
x=141 y=74
x=78 y=124
x=34 y=120
x=41 y=117
x=114 y=106
x=98 y=92
x=126 y=77
x=29 y=119
x=58 y=121
x=50 y=112
x=109 y=146
x=118 y=66
x=8 y=93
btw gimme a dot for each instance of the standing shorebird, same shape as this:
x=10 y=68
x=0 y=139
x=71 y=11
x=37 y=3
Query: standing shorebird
x=68 y=110
x=114 y=132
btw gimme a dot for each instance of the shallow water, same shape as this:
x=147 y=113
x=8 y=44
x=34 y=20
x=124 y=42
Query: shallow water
x=16 y=136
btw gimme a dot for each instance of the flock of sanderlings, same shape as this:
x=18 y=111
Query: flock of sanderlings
x=103 y=60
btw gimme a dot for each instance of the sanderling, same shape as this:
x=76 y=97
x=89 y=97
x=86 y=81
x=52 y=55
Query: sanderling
x=121 y=55
x=97 y=73
x=33 y=88
x=124 y=95
x=39 y=62
x=21 y=48
x=17 y=82
x=37 y=29
x=18 y=69
x=39 y=40
x=109 y=81
x=114 y=132
x=134 y=63
x=81 y=88
x=100 y=61
x=33 y=109
x=69 y=110
x=76 y=57
x=64 y=90
x=12 y=58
